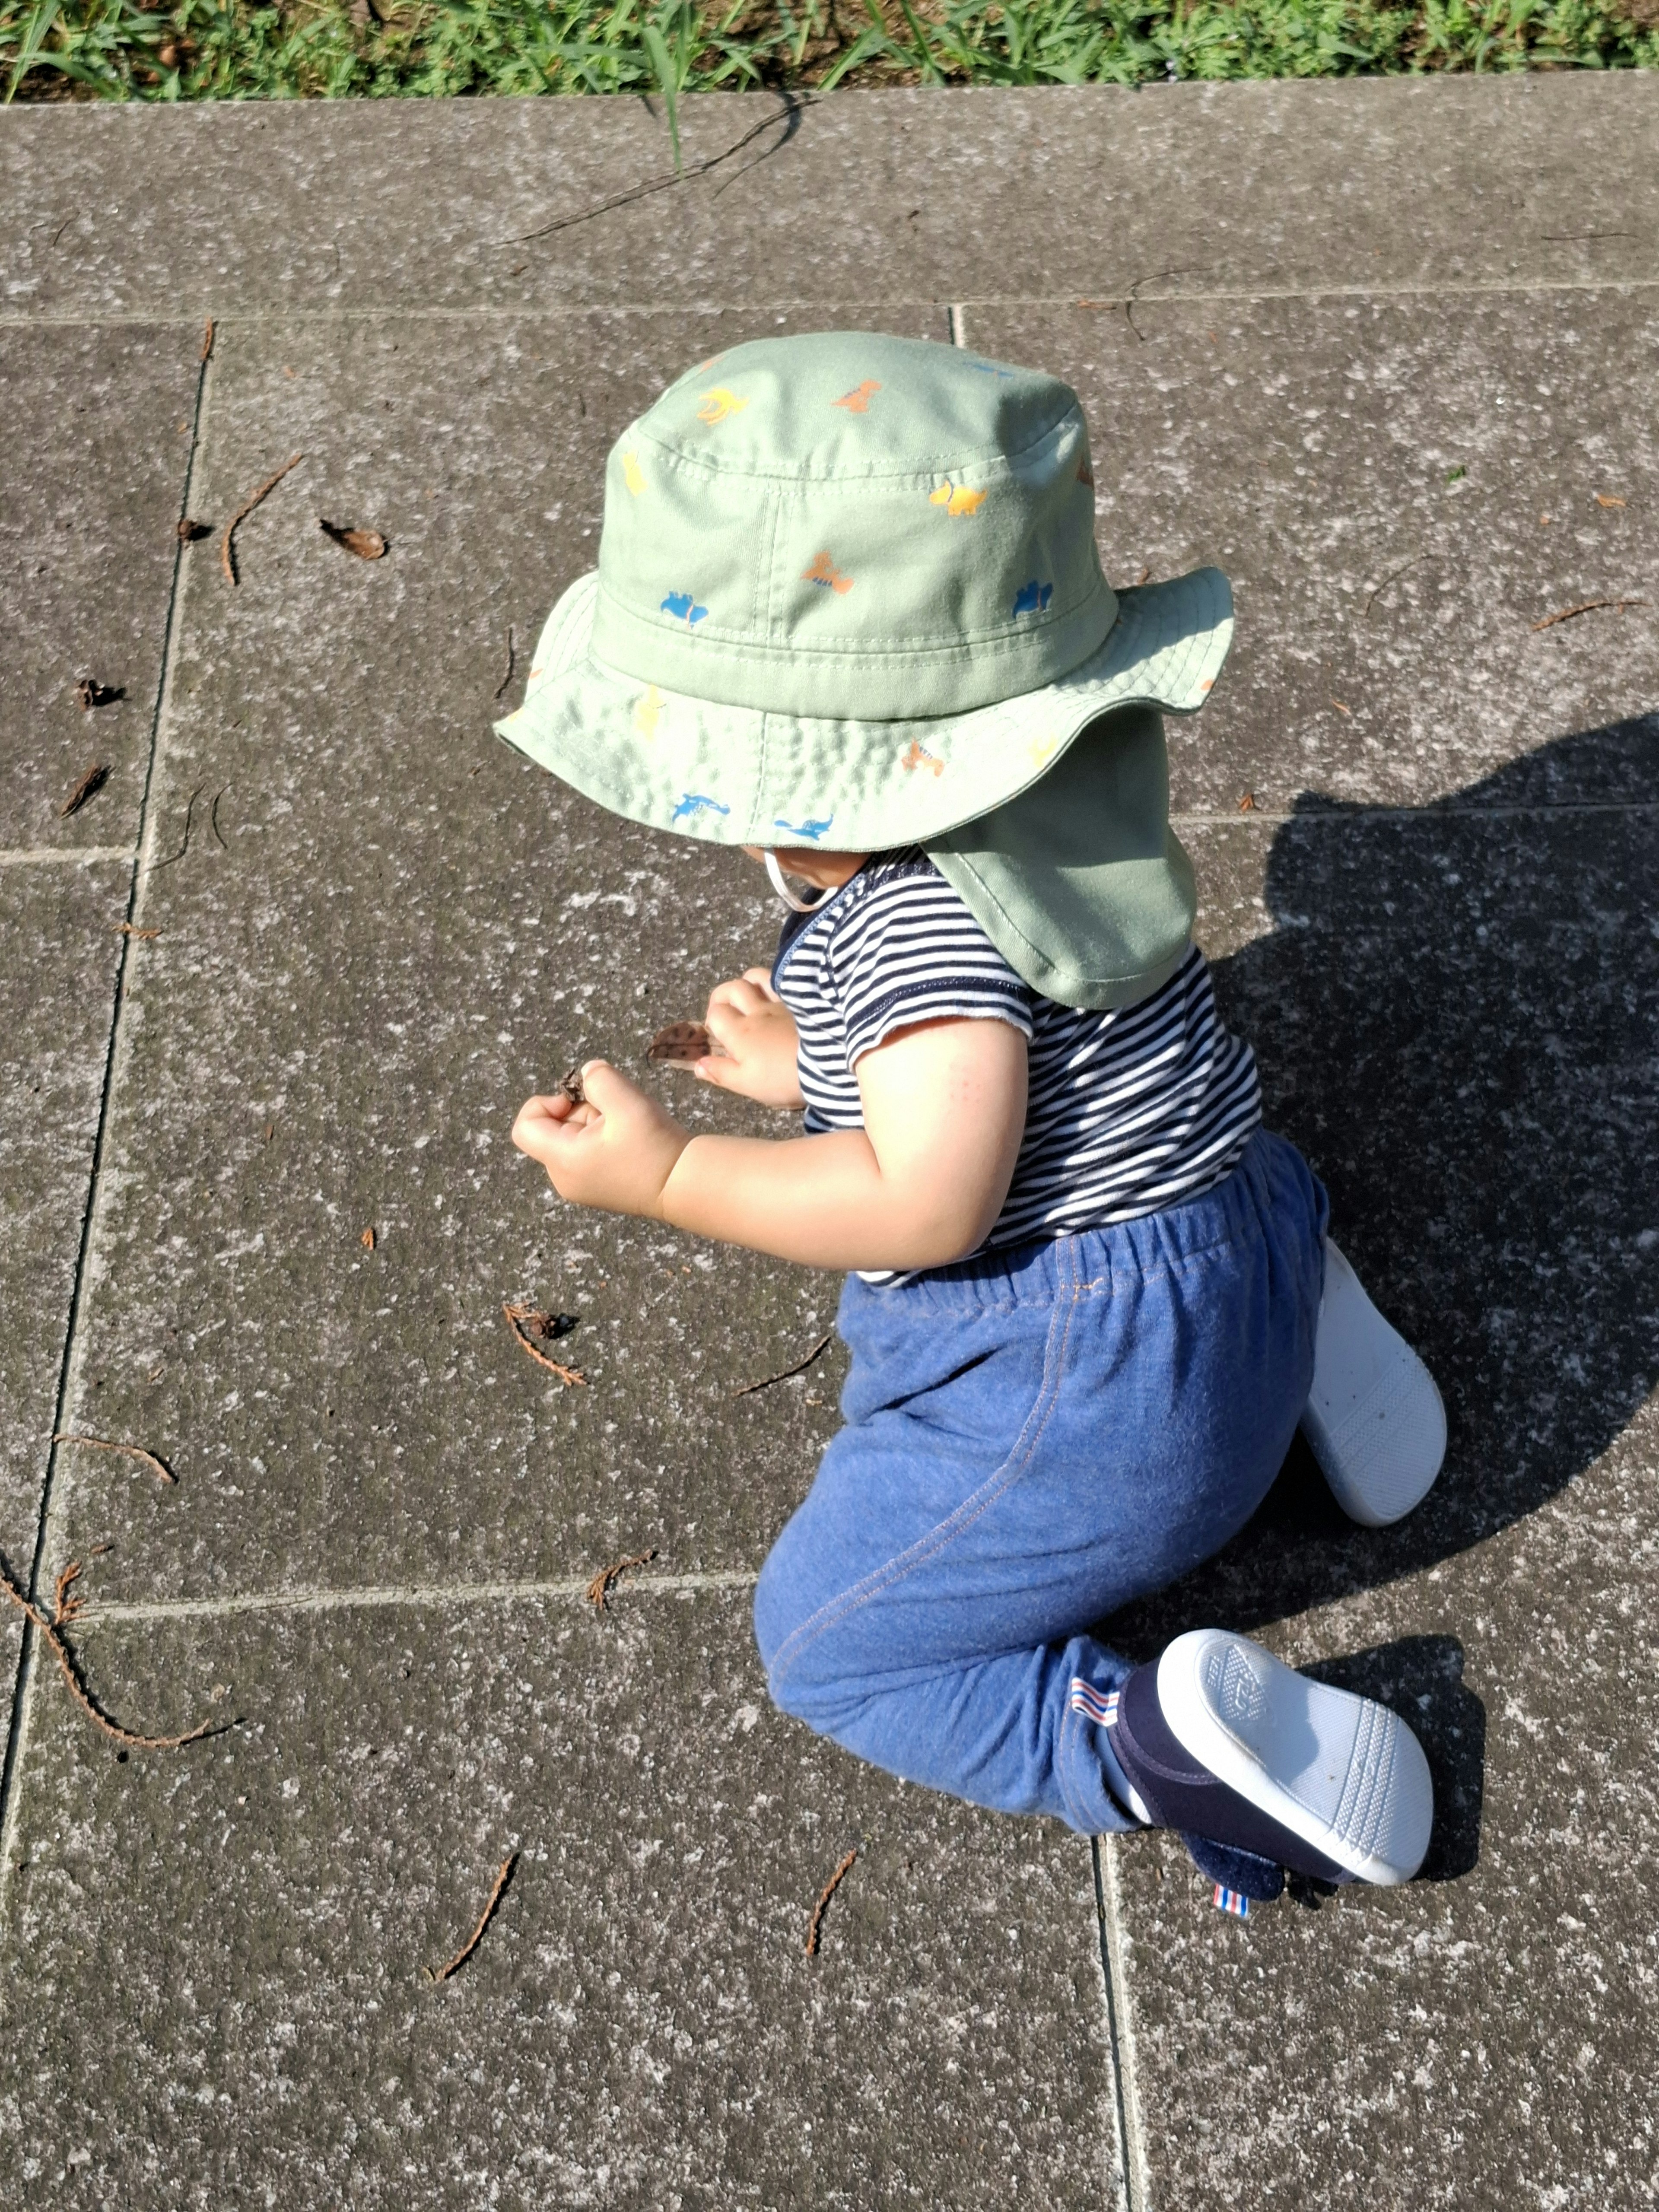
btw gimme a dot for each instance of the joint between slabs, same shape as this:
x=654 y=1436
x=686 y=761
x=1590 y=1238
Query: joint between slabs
x=23 y=1678
x=441 y=1596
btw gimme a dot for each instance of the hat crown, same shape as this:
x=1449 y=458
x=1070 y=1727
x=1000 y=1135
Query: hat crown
x=852 y=525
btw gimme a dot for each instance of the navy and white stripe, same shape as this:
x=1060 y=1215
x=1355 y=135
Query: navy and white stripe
x=1128 y=1112
x=1099 y=1706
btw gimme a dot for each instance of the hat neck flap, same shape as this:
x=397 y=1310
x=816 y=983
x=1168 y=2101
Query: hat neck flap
x=1079 y=882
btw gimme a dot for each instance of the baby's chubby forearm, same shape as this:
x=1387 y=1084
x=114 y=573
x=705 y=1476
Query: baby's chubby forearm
x=919 y=1186
x=822 y=1200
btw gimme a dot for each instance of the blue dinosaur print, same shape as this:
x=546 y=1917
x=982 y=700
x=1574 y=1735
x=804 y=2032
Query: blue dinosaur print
x=990 y=368
x=684 y=608
x=813 y=831
x=693 y=802
x=1031 y=599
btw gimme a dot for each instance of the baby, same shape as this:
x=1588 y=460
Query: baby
x=849 y=615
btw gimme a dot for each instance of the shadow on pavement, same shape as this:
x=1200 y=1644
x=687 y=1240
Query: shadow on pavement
x=1455 y=1019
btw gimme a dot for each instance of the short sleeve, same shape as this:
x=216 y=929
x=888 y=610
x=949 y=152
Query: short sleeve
x=910 y=951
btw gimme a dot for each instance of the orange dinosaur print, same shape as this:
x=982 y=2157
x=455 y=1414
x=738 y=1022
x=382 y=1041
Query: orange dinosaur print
x=717 y=404
x=957 y=499
x=919 y=756
x=823 y=571
x=857 y=402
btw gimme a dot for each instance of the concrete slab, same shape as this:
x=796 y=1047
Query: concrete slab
x=385 y=931
x=215 y=1960
x=56 y=1002
x=98 y=425
x=1400 y=488
x=1044 y=193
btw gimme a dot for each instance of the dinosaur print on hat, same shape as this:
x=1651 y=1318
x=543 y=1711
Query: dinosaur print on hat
x=823 y=571
x=1031 y=599
x=919 y=756
x=857 y=402
x=633 y=474
x=811 y=830
x=694 y=802
x=957 y=499
x=684 y=608
x=717 y=404
x=647 y=711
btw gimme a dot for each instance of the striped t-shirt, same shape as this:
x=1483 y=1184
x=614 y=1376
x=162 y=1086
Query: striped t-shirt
x=1128 y=1112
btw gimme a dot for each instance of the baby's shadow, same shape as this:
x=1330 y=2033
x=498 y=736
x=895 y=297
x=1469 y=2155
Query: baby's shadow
x=1453 y=1017
x=1421 y=1678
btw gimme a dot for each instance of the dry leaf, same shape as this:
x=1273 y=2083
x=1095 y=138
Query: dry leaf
x=1340 y=709
x=368 y=1240
x=89 y=693
x=1608 y=499
x=88 y=788
x=366 y=544
x=682 y=1044
x=190 y=530
x=131 y=929
x=1247 y=805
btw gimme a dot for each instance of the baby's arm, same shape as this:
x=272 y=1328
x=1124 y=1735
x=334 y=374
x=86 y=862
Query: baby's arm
x=918 y=1186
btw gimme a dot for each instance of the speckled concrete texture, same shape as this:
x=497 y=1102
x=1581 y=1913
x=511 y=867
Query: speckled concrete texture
x=1045 y=194
x=1355 y=341
x=639 y=2025
x=98 y=431
x=1399 y=489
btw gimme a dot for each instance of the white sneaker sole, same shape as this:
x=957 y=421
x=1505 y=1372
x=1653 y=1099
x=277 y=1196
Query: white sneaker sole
x=1341 y=1772
x=1374 y=1417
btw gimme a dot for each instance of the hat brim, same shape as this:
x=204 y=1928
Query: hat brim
x=735 y=776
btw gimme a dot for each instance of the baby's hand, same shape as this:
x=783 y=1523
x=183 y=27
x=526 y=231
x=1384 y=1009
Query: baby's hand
x=758 y=1031
x=615 y=1151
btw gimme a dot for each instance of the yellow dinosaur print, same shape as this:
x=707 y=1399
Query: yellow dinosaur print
x=919 y=756
x=647 y=711
x=1043 y=749
x=823 y=571
x=633 y=474
x=857 y=402
x=957 y=499
x=717 y=404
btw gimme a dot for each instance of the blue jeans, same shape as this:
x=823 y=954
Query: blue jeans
x=1032 y=1439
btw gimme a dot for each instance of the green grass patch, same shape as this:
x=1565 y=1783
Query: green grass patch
x=308 y=48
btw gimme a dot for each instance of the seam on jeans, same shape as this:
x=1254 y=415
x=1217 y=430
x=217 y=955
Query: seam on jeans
x=834 y=1610
x=1070 y=1722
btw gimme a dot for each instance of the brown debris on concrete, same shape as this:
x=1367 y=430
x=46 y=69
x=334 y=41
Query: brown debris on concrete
x=600 y=1589
x=784 y=1374
x=226 y=556
x=527 y=1322
x=78 y=1689
x=366 y=544
x=1585 y=607
x=88 y=788
x=103 y=1444
x=825 y=1896
x=442 y=1973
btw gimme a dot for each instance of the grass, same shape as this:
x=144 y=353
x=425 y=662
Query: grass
x=310 y=49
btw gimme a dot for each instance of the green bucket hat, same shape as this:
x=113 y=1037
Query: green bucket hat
x=848 y=594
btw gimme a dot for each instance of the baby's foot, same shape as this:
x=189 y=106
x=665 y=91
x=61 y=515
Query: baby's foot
x=1221 y=1740
x=1374 y=1416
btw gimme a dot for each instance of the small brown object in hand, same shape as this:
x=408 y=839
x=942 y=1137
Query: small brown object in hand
x=682 y=1044
x=570 y=1083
